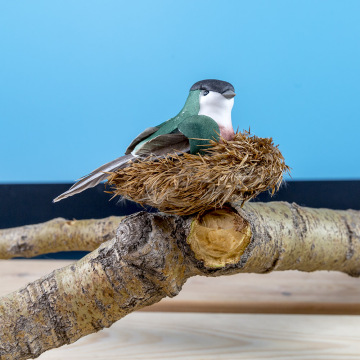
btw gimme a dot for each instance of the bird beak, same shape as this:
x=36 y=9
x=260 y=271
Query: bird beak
x=228 y=94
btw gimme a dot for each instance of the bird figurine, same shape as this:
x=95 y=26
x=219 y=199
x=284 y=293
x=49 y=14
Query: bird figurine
x=205 y=117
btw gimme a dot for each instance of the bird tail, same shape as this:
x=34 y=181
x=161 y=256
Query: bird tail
x=95 y=177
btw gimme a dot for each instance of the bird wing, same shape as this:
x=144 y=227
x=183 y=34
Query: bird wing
x=199 y=129
x=147 y=132
x=158 y=147
x=96 y=176
x=162 y=145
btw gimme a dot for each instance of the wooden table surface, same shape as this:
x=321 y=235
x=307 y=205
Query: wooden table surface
x=210 y=318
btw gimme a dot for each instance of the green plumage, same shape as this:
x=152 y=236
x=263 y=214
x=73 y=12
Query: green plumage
x=198 y=127
x=189 y=123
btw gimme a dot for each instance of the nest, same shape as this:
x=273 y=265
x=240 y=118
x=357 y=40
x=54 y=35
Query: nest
x=229 y=171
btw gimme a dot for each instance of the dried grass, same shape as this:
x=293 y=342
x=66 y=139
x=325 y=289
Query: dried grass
x=230 y=171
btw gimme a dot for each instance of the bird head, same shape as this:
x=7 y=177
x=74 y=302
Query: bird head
x=216 y=100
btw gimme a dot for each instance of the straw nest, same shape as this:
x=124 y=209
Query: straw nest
x=229 y=171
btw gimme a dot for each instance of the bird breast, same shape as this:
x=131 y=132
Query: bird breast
x=227 y=133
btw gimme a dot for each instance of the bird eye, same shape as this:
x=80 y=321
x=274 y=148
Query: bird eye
x=205 y=92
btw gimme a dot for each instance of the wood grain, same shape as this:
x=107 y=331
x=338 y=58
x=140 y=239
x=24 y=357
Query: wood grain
x=278 y=292
x=220 y=336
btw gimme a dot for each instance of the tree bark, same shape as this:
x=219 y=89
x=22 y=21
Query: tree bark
x=56 y=235
x=152 y=256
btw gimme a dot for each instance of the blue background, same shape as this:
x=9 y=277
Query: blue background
x=79 y=79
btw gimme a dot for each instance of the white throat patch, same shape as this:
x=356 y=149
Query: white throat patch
x=217 y=107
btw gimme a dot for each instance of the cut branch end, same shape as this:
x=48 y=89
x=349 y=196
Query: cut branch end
x=219 y=237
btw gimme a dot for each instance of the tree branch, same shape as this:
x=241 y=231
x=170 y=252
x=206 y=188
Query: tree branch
x=56 y=235
x=153 y=255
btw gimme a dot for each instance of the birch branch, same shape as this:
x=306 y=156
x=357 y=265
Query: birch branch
x=152 y=256
x=56 y=235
